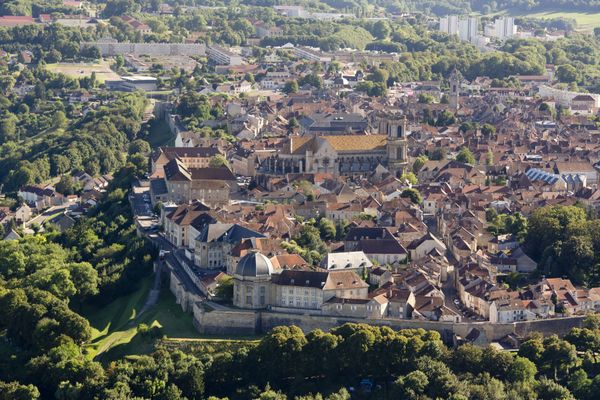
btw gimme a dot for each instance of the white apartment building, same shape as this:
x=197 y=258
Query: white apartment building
x=311 y=55
x=505 y=28
x=449 y=24
x=468 y=29
x=221 y=56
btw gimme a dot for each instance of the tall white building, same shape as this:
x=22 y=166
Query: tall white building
x=449 y=24
x=505 y=27
x=468 y=29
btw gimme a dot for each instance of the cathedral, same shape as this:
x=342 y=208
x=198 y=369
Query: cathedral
x=350 y=154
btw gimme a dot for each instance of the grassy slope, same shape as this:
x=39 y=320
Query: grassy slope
x=115 y=325
x=585 y=21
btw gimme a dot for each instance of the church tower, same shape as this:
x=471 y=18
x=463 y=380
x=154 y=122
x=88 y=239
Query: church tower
x=455 y=80
x=395 y=127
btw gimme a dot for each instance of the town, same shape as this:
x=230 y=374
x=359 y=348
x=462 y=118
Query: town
x=201 y=181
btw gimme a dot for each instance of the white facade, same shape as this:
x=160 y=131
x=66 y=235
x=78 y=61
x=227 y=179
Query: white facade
x=112 y=48
x=449 y=24
x=222 y=56
x=505 y=27
x=468 y=29
x=311 y=55
x=563 y=97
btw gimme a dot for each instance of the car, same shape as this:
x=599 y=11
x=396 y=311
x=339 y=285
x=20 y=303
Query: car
x=162 y=254
x=456 y=301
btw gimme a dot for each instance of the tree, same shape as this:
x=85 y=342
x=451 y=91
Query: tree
x=290 y=87
x=445 y=118
x=412 y=194
x=419 y=163
x=438 y=154
x=327 y=229
x=411 y=386
x=225 y=288
x=65 y=186
x=488 y=130
x=425 y=98
x=489 y=158
x=218 y=161
x=567 y=73
x=8 y=127
x=60 y=120
x=139 y=146
x=381 y=29
x=465 y=156
x=550 y=390
x=522 y=370
x=558 y=355
x=17 y=391
x=409 y=177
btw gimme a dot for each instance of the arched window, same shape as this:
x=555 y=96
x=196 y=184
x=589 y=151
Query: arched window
x=400 y=132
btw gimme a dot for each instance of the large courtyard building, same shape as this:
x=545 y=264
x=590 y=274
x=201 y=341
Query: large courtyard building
x=344 y=154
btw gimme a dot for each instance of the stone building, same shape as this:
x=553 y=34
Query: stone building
x=349 y=154
x=257 y=284
x=210 y=185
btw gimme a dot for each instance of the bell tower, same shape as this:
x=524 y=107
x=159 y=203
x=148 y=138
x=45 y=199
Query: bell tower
x=455 y=80
x=397 y=149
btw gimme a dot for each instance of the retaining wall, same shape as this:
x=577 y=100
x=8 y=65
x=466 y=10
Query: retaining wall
x=245 y=322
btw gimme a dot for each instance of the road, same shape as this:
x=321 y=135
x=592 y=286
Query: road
x=40 y=219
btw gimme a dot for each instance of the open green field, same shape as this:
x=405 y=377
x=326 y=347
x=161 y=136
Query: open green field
x=585 y=21
x=82 y=70
x=114 y=326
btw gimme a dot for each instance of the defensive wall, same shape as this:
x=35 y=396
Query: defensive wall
x=247 y=322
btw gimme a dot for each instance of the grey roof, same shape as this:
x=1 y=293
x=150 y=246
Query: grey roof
x=346 y=260
x=158 y=186
x=535 y=174
x=222 y=232
x=254 y=264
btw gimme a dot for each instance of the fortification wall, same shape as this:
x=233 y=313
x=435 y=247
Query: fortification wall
x=225 y=322
x=238 y=322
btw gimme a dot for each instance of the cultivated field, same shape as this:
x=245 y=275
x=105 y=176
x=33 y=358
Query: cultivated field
x=81 y=70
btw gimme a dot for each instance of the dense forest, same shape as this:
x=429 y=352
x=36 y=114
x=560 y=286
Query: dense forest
x=373 y=362
x=566 y=242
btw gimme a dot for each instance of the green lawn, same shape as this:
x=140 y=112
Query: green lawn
x=585 y=21
x=115 y=326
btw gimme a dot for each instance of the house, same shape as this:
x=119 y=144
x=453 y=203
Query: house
x=63 y=222
x=178 y=222
x=356 y=261
x=215 y=240
x=419 y=248
x=211 y=185
x=257 y=285
x=40 y=198
x=383 y=251
x=12 y=235
x=355 y=234
x=23 y=214
x=190 y=157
